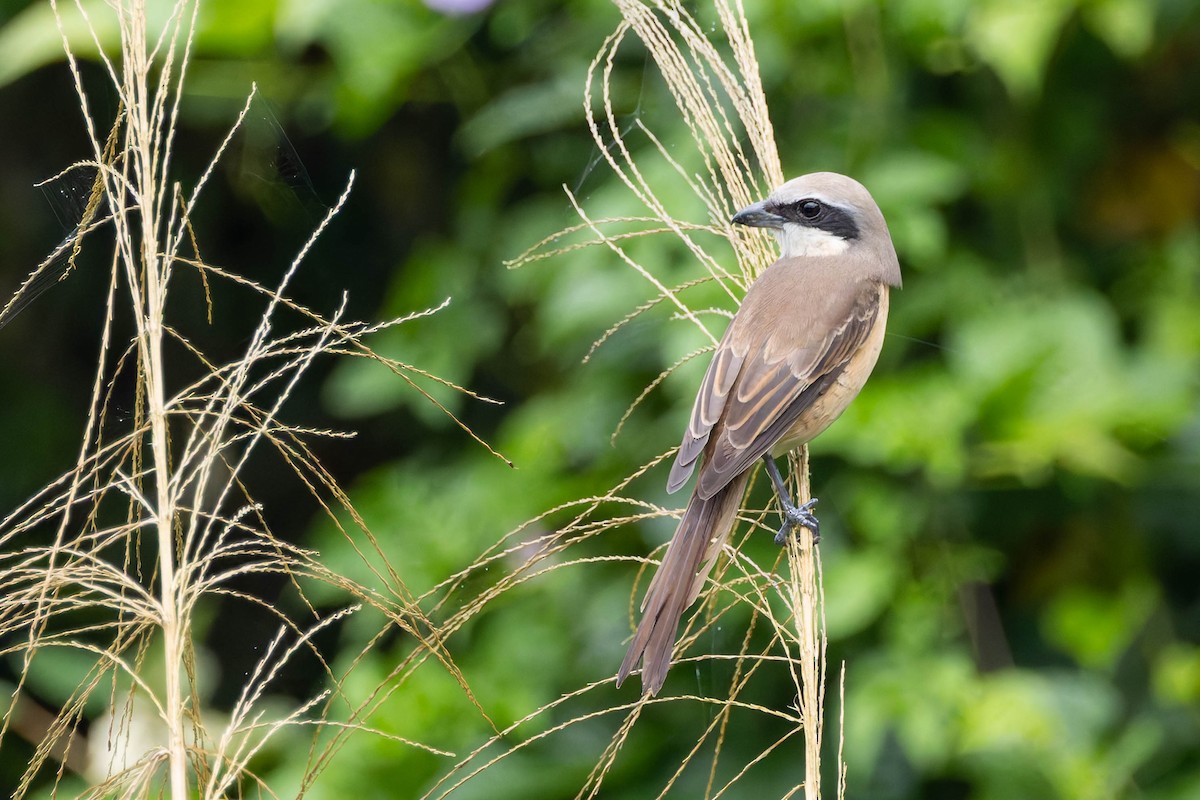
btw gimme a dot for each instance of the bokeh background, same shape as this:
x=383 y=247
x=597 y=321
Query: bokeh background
x=1011 y=509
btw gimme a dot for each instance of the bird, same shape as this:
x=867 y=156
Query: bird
x=799 y=349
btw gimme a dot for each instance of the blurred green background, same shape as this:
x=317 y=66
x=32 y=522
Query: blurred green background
x=1011 y=509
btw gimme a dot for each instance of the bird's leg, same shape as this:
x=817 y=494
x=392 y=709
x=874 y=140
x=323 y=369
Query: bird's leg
x=793 y=515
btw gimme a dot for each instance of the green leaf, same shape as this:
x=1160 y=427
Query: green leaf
x=1127 y=26
x=858 y=588
x=1096 y=627
x=1176 y=677
x=32 y=39
x=1016 y=38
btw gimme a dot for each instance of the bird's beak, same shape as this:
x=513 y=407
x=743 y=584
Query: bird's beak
x=757 y=216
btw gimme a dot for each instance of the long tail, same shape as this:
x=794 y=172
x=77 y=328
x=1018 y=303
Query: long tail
x=702 y=532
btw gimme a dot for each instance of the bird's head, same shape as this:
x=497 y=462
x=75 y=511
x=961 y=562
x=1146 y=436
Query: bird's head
x=821 y=214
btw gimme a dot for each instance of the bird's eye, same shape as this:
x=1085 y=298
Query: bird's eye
x=810 y=209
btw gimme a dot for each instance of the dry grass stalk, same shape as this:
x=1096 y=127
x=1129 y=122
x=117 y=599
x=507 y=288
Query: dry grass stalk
x=719 y=95
x=114 y=559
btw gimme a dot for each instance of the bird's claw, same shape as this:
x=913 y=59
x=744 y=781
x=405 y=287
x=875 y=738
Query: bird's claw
x=798 y=516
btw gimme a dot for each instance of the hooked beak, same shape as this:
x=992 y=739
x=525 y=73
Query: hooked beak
x=757 y=216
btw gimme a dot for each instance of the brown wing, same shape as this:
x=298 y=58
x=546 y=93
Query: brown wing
x=797 y=328
x=710 y=403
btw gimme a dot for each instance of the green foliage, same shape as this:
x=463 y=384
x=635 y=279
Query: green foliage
x=1030 y=436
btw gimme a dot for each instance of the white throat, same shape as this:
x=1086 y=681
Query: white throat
x=800 y=240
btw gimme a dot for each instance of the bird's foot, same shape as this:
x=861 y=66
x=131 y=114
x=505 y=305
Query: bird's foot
x=798 y=516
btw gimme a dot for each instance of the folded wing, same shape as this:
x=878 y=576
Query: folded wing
x=766 y=373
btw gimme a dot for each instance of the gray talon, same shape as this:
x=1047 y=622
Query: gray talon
x=798 y=516
x=793 y=515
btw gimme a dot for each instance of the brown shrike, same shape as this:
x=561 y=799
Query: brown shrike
x=796 y=353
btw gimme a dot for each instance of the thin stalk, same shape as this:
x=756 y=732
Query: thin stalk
x=168 y=596
x=806 y=600
x=151 y=336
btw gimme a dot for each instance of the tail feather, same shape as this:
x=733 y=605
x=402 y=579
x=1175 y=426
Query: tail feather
x=702 y=532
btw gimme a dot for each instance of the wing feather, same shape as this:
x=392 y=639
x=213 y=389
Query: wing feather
x=770 y=395
x=710 y=404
